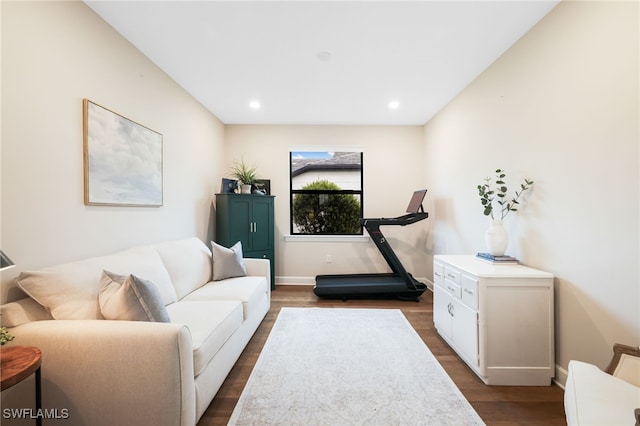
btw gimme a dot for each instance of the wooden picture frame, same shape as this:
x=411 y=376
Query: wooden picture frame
x=228 y=186
x=618 y=351
x=263 y=185
x=123 y=160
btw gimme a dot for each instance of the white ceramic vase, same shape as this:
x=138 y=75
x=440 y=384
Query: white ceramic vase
x=245 y=189
x=496 y=237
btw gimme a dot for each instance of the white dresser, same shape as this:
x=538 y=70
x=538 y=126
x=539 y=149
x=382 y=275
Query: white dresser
x=498 y=318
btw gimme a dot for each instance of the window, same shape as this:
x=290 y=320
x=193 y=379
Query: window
x=326 y=192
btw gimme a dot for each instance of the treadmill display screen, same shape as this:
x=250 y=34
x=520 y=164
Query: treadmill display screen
x=416 y=201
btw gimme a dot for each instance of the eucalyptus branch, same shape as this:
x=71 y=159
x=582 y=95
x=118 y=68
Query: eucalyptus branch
x=5 y=336
x=490 y=192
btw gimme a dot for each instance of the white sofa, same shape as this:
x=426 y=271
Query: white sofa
x=110 y=372
x=608 y=398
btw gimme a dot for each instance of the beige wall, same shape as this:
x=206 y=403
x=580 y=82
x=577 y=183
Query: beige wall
x=561 y=108
x=54 y=54
x=393 y=169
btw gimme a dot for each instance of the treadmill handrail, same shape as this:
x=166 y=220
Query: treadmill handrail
x=373 y=228
x=406 y=219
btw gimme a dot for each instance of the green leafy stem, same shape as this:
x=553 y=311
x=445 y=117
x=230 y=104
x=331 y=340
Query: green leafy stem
x=497 y=191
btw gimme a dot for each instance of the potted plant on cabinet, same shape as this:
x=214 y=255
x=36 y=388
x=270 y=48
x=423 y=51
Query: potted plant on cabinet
x=245 y=174
x=496 y=236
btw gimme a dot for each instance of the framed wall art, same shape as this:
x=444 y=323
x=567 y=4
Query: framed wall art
x=228 y=186
x=263 y=185
x=122 y=160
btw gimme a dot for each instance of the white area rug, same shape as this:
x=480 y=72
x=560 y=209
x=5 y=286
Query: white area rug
x=323 y=366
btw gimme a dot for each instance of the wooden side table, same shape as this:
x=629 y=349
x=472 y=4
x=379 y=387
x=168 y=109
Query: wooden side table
x=16 y=364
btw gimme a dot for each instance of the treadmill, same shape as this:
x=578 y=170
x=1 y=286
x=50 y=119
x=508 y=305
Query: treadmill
x=399 y=283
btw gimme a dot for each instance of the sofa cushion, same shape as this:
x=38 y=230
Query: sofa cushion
x=188 y=262
x=22 y=311
x=227 y=262
x=70 y=290
x=249 y=290
x=130 y=298
x=593 y=397
x=210 y=322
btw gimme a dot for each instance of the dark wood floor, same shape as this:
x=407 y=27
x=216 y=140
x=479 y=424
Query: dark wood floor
x=497 y=405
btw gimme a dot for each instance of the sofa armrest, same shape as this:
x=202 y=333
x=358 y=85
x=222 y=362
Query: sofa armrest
x=593 y=397
x=259 y=267
x=114 y=372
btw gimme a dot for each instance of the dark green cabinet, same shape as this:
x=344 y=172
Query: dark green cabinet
x=249 y=219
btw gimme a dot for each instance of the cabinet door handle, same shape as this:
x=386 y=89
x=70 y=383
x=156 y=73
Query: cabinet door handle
x=451 y=275
x=466 y=290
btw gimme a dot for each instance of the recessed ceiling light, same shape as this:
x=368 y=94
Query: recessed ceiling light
x=254 y=105
x=394 y=105
x=324 y=56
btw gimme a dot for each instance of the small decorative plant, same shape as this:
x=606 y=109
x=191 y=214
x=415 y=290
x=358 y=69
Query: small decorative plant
x=245 y=174
x=5 y=336
x=497 y=191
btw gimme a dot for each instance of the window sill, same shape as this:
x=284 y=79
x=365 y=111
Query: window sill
x=328 y=238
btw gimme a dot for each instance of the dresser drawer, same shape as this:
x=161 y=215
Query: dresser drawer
x=452 y=274
x=453 y=289
x=438 y=274
x=469 y=291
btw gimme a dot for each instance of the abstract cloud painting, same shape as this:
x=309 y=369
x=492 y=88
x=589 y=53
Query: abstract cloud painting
x=122 y=160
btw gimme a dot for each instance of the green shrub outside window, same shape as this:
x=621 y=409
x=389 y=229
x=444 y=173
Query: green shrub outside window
x=326 y=213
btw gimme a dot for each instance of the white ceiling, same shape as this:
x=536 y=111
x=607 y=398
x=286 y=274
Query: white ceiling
x=323 y=62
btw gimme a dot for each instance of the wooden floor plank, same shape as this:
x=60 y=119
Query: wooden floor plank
x=497 y=405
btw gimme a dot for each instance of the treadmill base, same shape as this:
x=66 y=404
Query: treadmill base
x=366 y=285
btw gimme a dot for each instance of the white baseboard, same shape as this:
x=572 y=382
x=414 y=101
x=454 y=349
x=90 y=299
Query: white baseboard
x=295 y=280
x=428 y=282
x=561 y=376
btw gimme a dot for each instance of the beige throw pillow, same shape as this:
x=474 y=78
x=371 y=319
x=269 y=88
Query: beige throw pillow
x=227 y=262
x=130 y=298
x=70 y=290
